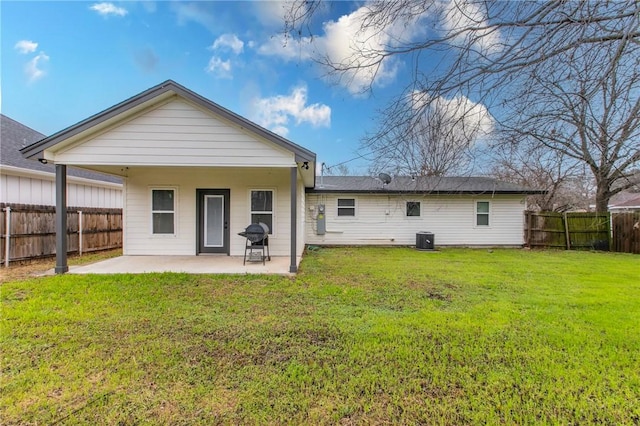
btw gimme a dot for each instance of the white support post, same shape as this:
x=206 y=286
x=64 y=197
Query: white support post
x=293 y=267
x=80 y=233
x=7 y=236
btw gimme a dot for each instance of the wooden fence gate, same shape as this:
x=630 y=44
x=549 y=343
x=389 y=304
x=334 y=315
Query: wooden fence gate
x=583 y=231
x=32 y=231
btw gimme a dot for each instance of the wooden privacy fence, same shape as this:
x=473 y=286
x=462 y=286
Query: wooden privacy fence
x=32 y=230
x=626 y=232
x=583 y=231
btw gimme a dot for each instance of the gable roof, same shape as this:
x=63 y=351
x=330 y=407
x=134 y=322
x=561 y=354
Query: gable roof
x=15 y=136
x=625 y=200
x=419 y=185
x=35 y=150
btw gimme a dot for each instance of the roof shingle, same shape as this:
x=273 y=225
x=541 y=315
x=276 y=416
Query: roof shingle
x=418 y=185
x=15 y=136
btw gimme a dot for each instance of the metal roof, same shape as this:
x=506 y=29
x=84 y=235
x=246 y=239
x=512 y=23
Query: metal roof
x=14 y=136
x=35 y=150
x=418 y=185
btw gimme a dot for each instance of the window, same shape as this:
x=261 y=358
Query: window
x=262 y=207
x=482 y=213
x=346 y=207
x=163 y=211
x=413 y=208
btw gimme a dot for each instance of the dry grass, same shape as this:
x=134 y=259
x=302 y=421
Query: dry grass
x=22 y=270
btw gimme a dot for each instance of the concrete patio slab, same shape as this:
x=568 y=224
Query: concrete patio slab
x=189 y=264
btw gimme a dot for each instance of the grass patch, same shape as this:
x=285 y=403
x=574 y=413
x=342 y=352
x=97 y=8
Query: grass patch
x=360 y=336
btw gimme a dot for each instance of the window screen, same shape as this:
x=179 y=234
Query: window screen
x=413 y=208
x=163 y=211
x=346 y=207
x=262 y=207
x=482 y=213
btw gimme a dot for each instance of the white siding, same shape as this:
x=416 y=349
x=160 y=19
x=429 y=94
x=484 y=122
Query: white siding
x=38 y=191
x=138 y=239
x=177 y=134
x=381 y=219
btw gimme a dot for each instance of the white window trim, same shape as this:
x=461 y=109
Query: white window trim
x=175 y=211
x=273 y=205
x=475 y=214
x=413 y=217
x=355 y=208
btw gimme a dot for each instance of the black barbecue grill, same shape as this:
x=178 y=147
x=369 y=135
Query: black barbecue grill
x=257 y=245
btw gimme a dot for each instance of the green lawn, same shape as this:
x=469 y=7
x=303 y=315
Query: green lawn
x=360 y=336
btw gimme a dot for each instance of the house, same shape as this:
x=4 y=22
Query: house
x=32 y=183
x=196 y=174
x=465 y=211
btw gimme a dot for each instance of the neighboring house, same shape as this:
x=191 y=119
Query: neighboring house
x=625 y=201
x=30 y=182
x=197 y=174
x=457 y=210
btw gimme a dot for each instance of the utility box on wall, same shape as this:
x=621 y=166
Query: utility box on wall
x=321 y=224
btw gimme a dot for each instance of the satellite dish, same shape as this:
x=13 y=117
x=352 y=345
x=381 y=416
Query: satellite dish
x=385 y=178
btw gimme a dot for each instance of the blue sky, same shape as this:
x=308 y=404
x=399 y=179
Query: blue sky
x=64 y=61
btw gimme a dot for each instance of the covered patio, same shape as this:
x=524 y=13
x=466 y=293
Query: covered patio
x=195 y=173
x=214 y=264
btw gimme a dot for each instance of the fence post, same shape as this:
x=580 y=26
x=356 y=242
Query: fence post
x=7 y=236
x=529 y=226
x=80 y=232
x=566 y=230
x=611 y=238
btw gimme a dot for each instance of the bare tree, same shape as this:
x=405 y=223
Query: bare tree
x=586 y=107
x=340 y=169
x=441 y=141
x=563 y=73
x=530 y=164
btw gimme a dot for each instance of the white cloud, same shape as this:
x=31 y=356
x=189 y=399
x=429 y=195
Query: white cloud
x=276 y=112
x=26 y=46
x=271 y=13
x=358 y=49
x=468 y=20
x=280 y=130
x=107 y=9
x=228 y=41
x=460 y=114
x=287 y=48
x=361 y=48
x=33 y=68
x=198 y=12
x=222 y=69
